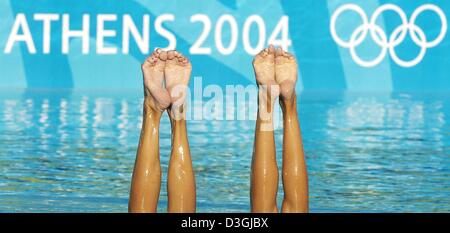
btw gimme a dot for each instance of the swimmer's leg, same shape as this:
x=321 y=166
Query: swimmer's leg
x=264 y=175
x=181 y=180
x=146 y=181
x=295 y=178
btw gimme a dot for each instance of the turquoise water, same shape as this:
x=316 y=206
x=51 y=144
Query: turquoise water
x=74 y=152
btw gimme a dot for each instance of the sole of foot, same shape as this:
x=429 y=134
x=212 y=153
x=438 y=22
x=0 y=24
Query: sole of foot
x=177 y=72
x=286 y=72
x=264 y=67
x=153 y=72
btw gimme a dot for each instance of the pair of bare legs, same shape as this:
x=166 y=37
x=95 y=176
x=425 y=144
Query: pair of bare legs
x=276 y=75
x=166 y=75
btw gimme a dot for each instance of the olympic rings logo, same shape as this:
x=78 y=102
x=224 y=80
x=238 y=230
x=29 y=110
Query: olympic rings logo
x=379 y=35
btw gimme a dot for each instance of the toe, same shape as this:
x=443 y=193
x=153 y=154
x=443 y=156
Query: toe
x=285 y=53
x=149 y=61
x=283 y=56
x=156 y=52
x=271 y=52
x=282 y=53
x=264 y=52
x=183 y=60
x=172 y=58
x=271 y=49
x=170 y=55
x=152 y=60
x=163 y=55
x=261 y=55
x=279 y=52
x=289 y=55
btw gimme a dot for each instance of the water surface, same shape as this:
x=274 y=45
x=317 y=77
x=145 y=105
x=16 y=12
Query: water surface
x=64 y=151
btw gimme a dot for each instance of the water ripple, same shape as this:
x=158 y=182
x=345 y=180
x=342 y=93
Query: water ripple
x=74 y=152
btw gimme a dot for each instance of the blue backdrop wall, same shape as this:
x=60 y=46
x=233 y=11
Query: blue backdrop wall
x=100 y=44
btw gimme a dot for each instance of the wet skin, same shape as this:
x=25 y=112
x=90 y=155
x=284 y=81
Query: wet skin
x=276 y=75
x=166 y=75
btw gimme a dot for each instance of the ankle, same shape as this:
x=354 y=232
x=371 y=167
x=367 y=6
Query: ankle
x=289 y=104
x=150 y=105
x=177 y=113
x=150 y=114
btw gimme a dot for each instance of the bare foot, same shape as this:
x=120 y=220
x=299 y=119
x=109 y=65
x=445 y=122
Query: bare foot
x=264 y=66
x=177 y=73
x=286 y=72
x=156 y=96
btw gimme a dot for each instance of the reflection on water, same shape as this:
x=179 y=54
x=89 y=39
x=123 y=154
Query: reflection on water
x=74 y=152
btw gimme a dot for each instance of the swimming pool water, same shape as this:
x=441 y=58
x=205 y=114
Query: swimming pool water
x=67 y=151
